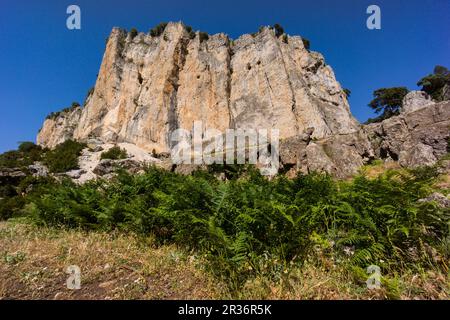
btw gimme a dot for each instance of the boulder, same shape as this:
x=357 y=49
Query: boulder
x=415 y=100
x=11 y=175
x=439 y=198
x=108 y=166
x=38 y=169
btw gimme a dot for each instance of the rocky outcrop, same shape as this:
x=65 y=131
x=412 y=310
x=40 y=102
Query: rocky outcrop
x=415 y=100
x=59 y=127
x=11 y=175
x=38 y=169
x=438 y=198
x=415 y=138
x=108 y=166
x=339 y=155
x=149 y=86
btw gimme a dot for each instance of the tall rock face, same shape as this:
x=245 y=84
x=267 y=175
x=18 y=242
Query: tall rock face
x=59 y=127
x=149 y=86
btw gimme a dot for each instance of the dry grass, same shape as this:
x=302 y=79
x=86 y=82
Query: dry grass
x=117 y=266
x=379 y=167
x=113 y=266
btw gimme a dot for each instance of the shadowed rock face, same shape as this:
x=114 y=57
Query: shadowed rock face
x=149 y=86
x=413 y=138
x=416 y=138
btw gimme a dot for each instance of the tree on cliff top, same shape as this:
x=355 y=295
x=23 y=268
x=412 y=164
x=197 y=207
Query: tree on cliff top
x=434 y=84
x=387 y=102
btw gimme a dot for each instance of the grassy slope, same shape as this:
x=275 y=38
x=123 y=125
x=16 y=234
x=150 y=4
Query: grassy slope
x=119 y=266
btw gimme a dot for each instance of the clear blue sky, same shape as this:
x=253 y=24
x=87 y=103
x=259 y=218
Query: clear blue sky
x=44 y=66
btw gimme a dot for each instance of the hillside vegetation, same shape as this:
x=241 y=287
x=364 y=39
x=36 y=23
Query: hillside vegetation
x=249 y=229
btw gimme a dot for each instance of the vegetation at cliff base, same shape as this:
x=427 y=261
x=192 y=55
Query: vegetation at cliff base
x=250 y=227
x=26 y=154
x=115 y=153
x=64 y=157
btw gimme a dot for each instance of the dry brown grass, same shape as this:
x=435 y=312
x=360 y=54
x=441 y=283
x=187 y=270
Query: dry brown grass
x=113 y=266
x=117 y=266
x=374 y=170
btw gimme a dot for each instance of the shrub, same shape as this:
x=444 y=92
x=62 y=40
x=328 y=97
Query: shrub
x=133 y=33
x=54 y=115
x=203 y=36
x=347 y=92
x=278 y=30
x=190 y=31
x=115 y=153
x=306 y=43
x=64 y=157
x=11 y=206
x=26 y=155
x=158 y=30
x=435 y=83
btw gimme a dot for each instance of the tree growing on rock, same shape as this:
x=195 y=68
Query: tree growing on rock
x=387 y=102
x=436 y=83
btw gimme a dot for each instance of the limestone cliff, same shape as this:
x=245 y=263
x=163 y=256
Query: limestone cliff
x=148 y=86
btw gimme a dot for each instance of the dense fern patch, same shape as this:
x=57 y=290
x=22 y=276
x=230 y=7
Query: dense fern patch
x=247 y=226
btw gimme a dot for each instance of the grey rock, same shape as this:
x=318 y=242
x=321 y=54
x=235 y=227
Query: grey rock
x=439 y=198
x=75 y=174
x=108 y=166
x=415 y=100
x=415 y=138
x=416 y=156
x=38 y=170
x=11 y=175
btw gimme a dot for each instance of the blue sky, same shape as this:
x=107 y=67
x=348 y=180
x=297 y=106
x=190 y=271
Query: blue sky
x=44 y=66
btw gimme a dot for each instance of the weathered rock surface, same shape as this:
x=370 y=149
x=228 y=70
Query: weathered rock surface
x=37 y=169
x=149 y=86
x=59 y=128
x=438 y=198
x=108 y=166
x=416 y=138
x=339 y=155
x=11 y=175
x=415 y=100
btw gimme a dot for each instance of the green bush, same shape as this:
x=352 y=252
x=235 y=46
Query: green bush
x=54 y=115
x=115 y=153
x=347 y=92
x=434 y=84
x=306 y=43
x=203 y=36
x=133 y=33
x=26 y=155
x=158 y=30
x=278 y=30
x=64 y=157
x=11 y=206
